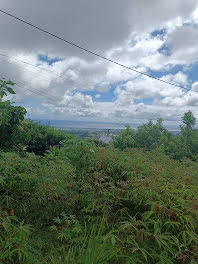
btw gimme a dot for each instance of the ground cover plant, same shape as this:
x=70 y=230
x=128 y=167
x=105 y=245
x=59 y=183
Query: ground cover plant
x=64 y=199
x=141 y=207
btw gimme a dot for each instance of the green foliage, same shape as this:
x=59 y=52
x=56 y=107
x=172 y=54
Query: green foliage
x=174 y=147
x=126 y=139
x=184 y=144
x=161 y=194
x=81 y=152
x=147 y=136
x=82 y=203
x=187 y=131
x=188 y=123
x=12 y=130
x=97 y=246
x=83 y=244
x=14 y=241
x=19 y=134
x=151 y=135
x=40 y=138
x=31 y=185
x=109 y=207
x=5 y=87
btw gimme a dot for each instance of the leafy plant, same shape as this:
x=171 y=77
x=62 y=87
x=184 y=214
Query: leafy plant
x=5 y=87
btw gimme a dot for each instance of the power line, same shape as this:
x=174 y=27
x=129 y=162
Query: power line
x=55 y=99
x=37 y=92
x=37 y=75
x=47 y=70
x=25 y=62
x=40 y=93
x=92 y=52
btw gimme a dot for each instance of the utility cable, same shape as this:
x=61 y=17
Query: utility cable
x=92 y=52
x=47 y=70
x=56 y=99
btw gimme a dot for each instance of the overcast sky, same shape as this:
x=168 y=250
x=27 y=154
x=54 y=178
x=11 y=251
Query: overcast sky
x=158 y=37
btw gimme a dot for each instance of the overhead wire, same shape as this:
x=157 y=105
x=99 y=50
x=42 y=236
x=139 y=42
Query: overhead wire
x=86 y=50
x=61 y=77
x=56 y=99
x=93 y=52
x=37 y=92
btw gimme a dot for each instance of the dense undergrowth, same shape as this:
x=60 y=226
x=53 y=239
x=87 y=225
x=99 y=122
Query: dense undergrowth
x=131 y=207
x=76 y=202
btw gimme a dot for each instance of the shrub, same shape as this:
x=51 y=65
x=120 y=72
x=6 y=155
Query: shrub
x=41 y=138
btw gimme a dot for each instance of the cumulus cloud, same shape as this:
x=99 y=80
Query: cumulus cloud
x=149 y=36
x=183 y=44
x=95 y=24
x=145 y=87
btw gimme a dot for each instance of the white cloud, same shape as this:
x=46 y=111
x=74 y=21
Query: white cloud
x=194 y=16
x=183 y=45
x=145 y=87
x=119 y=30
x=195 y=86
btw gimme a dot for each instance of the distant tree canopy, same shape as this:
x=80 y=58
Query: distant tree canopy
x=126 y=139
x=149 y=136
x=16 y=133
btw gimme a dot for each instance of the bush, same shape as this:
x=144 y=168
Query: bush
x=41 y=138
x=150 y=135
x=34 y=189
x=126 y=139
x=11 y=123
x=14 y=241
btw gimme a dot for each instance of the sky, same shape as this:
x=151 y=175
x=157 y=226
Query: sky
x=157 y=37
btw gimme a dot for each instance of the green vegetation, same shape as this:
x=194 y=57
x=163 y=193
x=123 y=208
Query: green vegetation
x=66 y=200
x=40 y=138
x=154 y=136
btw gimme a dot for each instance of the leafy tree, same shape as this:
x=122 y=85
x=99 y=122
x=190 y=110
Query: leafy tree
x=126 y=139
x=189 y=122
x=5 y=87
x=187 y=130
x=11 y=119
x=151 y=135
x=41 y=138
x=174 y=146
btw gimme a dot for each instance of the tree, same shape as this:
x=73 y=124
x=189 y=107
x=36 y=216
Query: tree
x=150 y=135
x=40 y=138
x=11 y=119
x=187 y=130
x=126 y=139
x=189 y=122
x=5 y=87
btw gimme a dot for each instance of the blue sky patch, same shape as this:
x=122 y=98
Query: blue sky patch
x=159 y=74
x=45 y=58
x=146 y=101
x=161 y=33
x=105 y=97
x=165 y=49
x=192 y=73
